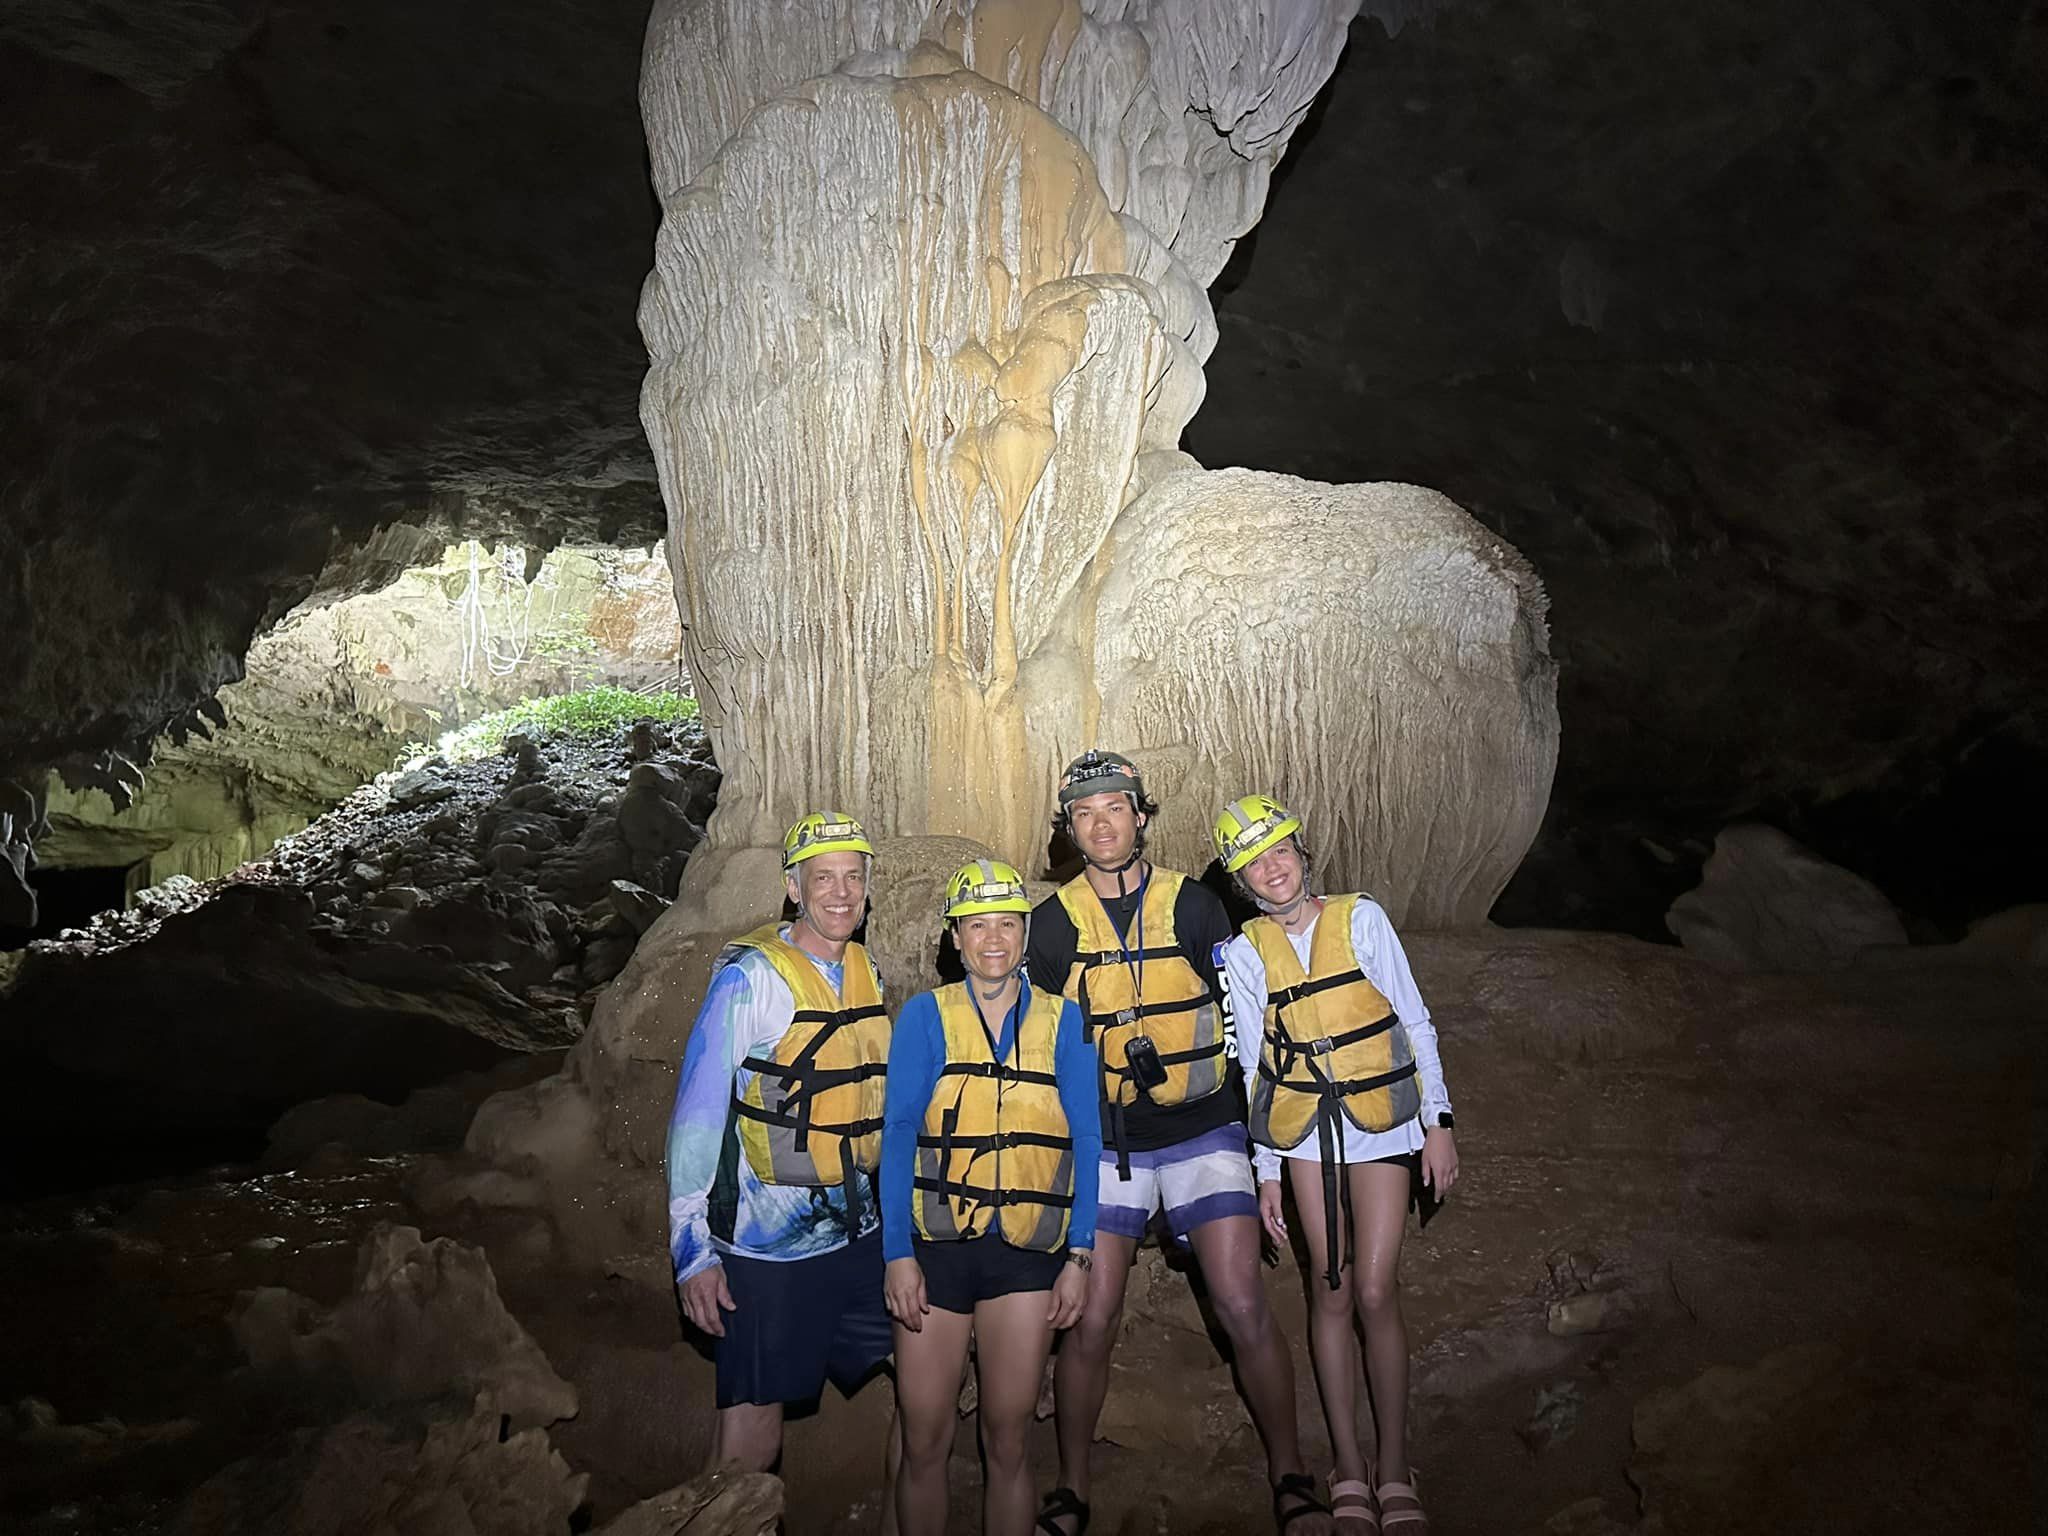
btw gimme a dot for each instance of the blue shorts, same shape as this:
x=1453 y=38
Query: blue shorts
x=796 y=1325
x=1202 y=1179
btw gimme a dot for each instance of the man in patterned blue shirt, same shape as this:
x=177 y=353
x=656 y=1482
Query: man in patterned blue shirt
x=772 y=1147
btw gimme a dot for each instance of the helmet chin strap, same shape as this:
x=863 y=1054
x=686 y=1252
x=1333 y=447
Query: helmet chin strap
x=1283 y=913
x=1120 y=870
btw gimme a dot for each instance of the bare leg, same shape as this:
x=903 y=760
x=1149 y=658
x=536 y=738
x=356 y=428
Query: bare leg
x=1012 y=1338
x=748 y=1433
x=929 y=1365
x=892 y=1466
x=1081 y=1376
x=1333 y=1335
x=1228 y=1251
x=1379 y=1201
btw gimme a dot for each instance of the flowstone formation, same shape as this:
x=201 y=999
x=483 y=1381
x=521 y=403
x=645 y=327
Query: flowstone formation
x=927 y=320
x=1389 y=697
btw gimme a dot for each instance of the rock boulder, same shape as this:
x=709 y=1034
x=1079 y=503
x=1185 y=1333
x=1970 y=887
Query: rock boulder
x=1764 y=903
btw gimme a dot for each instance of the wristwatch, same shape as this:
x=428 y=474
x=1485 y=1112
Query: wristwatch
x=1443 y=1121
x=1082 y=1259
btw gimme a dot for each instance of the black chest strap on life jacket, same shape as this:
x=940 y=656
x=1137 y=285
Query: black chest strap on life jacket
x=1330 y=1093
x=948 y=1141
x=1091 y=958
x=802 y=1080
x=1000 y=1070
x=1094 y=1023
x=1287 y=996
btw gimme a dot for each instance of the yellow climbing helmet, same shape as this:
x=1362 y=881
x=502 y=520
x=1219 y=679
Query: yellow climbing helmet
x=986 y=885
x=1247 y=828
x=823 y=832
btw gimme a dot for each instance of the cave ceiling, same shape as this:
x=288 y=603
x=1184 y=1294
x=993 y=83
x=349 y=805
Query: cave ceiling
x=1726 y=316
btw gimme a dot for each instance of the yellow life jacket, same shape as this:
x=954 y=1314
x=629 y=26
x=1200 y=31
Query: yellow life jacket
x=1333 y=1042
x=812 y=1111
x=1177 y=1012
x=995 y=1146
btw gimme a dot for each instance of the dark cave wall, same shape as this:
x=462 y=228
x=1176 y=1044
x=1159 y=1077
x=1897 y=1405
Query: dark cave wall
x=283 y=273
x=1728 y=317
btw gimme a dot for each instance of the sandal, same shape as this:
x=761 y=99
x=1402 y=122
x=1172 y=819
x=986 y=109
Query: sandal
x=1412 y=1515
x=1300 y=1487
x=1351 y=1503
x=1062 y=1504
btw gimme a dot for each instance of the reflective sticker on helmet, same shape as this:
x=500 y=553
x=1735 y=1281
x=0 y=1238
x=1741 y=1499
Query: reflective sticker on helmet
x=990 y=892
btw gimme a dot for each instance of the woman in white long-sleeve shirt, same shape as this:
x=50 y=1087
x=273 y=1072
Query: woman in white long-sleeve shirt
x=1347 y=1091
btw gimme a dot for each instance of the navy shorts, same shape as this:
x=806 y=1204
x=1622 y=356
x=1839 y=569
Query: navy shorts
x=796 y=1325
x=958 y=1274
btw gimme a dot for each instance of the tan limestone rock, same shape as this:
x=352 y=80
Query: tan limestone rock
x=1368 y=653
x=1767 y=903
x=933 y=350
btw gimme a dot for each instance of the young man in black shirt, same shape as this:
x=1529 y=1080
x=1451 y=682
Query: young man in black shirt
x=1136 y=947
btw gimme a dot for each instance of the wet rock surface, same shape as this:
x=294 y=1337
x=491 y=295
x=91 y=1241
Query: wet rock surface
x=428 y=926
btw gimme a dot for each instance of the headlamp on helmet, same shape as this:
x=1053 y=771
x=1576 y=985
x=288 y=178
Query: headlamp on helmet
x=986 y=885
x=1096 y=772
x=823 y=832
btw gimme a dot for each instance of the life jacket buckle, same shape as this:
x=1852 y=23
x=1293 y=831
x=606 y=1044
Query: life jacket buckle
x=1127 y=1016
x=1327 y=1046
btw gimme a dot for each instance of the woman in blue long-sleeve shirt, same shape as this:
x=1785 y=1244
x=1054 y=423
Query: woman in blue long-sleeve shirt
x=986 y=1227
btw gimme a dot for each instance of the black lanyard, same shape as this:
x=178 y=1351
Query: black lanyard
x=1137 y=970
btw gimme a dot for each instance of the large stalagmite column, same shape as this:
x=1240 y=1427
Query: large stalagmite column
x=927 y=319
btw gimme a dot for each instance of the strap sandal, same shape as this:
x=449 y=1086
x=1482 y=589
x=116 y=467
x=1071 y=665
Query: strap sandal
x=1410 y=1514
x=1301 y=1488
x=1062 y=1504
x=1351 y=1504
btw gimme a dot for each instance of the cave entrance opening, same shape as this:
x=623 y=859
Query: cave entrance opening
x=437 y=660
x=72 y=898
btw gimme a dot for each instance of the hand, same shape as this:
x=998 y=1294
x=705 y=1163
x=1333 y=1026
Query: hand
x=1270 y=1215
x=1439 y=1160
x=903 y=1292
x=705 y=1298
x=1069 y=1297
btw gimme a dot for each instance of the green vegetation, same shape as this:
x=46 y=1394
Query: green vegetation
x=563 y=644
x=586 y=713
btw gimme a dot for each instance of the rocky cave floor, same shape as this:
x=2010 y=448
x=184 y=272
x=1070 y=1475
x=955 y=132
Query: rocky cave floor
x=1801 y=1216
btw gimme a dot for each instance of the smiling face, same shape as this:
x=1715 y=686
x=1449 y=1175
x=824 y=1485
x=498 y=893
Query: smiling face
x=1276 y=875
x=991 y=944
x=1105 y=828
x=831 y=889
